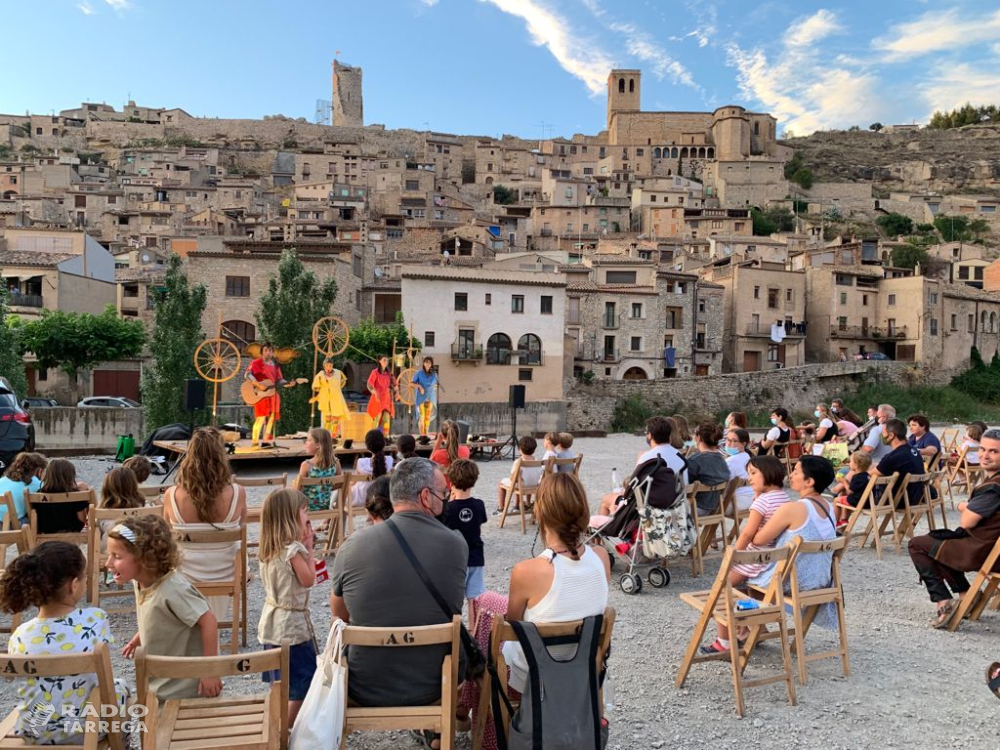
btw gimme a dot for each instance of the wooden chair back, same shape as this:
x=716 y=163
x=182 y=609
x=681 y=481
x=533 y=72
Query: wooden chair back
x=523 y=492
x=34 y=500
x=913 y=512
x=153 y=491
x=279 y=481
x=355 y=485
x=876 y=491
x=258 y=721
x=235 y=587
x=503 y=632
x=949 y=439
x=984 y=587
x=95 y=544
x=333 y=488
x=438 y=718
x=719 y=603
x=709 y=528
x=10 y=518
x=553 y=464
x=102 y=697
x=20 y=539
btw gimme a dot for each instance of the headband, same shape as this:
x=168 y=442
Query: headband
x=125 y=532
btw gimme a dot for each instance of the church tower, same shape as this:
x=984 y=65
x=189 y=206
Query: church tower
x=348 y=105
x=623 y=92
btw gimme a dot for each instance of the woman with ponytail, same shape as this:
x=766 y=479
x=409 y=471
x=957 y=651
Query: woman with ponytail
x=448 y=447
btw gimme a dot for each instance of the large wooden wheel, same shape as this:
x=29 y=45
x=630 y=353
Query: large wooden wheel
x=217 y=360
x=330 y=336
x=406 y=387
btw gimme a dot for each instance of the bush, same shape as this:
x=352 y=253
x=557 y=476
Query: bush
x=895 y=224
x=939 y=404
x=630 y=414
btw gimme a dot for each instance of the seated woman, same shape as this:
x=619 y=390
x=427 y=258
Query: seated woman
x=377 y=464
x=24 y=473
x=826 y=428
x=204 y=499
x=60 y=476
x=735 y=419
x=568 y=581
x=707 y=466
x=737 y=459
x=448 y=447
x=683 y=431
x=781 y=432
x=377 y=501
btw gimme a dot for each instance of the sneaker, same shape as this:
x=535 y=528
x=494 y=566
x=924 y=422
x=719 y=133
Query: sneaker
x=714 y=648
x=498 y=511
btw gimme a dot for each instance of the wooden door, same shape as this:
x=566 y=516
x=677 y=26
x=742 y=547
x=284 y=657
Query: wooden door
x=751 y=361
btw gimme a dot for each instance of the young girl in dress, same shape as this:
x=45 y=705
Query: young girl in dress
x=288 y=571
x=174 y=618
x=322 y=464
x=53 y=577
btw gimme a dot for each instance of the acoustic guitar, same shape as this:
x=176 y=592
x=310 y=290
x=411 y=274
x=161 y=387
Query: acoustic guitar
x=253 y=391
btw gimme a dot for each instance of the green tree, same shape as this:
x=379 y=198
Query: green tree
x=774 y=219
x=294 y=301
x=762 y=225
x=876 y=127
x=803 y=178
x=503 y=195
x=78 y=341
x=175 y=336
x=958 y=228
x=371 y=340
x=895 y=224
x=11 y=361
x=909 y=255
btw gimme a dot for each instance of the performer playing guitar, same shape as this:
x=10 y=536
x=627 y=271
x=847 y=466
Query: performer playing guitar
x=267 y=410
x=381 y=405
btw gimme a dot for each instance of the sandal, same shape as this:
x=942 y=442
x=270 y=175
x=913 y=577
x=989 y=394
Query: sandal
x=944 y=614
x=426 y=738
x=993 y=678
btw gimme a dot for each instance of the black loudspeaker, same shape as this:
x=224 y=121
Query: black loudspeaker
x=194 y=394
x=516 y=398
x=463 y=431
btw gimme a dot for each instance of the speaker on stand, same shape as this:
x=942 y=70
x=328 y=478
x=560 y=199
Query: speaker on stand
x=515 y=400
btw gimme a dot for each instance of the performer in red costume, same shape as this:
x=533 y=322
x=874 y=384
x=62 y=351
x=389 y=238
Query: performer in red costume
x=267 y=410
x=381 y=406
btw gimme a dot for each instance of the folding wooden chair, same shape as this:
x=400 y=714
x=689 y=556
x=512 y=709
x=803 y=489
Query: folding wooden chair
x=552 y=464
x=102 y=697
x=355 y=486
x=936 y=491
x=949 y=439
x=334 y=515
x=876 y=503
x=985 y=586
x=154 y=492
x=234 y=588
x=438 y=718
x=94 y=518
x=10 y=519
x=913 y=512
x=20 y=539
x=33 y=500
x=963 y=475
x=732 y=511
x=805 y=604
x=253 y=511
x=709 y=528
x=502 y=632
x=234 y=722
x=719 y=604
x=524 y=493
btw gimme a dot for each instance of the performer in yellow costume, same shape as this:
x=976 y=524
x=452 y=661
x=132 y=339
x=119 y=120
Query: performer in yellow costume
x=328 y=396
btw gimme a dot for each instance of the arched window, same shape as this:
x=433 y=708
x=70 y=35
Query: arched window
x=656 y=152
x=701 y=152
x=673 y=152
x=239 y=332
x=621 y=85
x=529 y=349
x=498 y=349
x=631 y=85
x=993 y=322
x=756 y=128
x=684 y=152
x=711 y=153
x=982 y=322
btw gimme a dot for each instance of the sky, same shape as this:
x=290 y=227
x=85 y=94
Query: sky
x=532 y=68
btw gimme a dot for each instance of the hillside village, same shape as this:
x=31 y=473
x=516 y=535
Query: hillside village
x=664 y=245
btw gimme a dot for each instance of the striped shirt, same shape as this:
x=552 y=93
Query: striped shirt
x=767 y=503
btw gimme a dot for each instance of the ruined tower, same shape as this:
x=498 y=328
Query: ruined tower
x=348 y=106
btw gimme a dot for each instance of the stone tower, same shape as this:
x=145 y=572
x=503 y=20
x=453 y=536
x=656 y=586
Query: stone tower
x=348 y=105
x=623 y=92
x=731 y=133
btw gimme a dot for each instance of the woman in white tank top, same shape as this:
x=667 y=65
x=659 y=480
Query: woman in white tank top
x=568 y=581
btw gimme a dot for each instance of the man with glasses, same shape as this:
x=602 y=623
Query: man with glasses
x=944 y=556
x=376 y=585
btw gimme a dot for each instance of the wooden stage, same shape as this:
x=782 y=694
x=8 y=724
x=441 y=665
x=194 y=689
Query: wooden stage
x=284 y=448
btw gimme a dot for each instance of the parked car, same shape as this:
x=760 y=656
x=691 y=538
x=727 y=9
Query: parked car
x=17 y=433
x=32 y=402
x=876 y=355
x=117 y=402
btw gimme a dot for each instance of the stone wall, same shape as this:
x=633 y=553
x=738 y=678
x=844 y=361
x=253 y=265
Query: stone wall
x=539 y=416
x=796 y=388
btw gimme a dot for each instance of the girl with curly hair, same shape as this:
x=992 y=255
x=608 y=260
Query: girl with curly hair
x=174 y=619
x=206 y=498
x=53 y=577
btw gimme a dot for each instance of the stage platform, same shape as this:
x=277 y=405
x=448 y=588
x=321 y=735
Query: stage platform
x=283 y=448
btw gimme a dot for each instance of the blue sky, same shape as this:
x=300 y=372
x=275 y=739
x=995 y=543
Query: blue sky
x=525 y=67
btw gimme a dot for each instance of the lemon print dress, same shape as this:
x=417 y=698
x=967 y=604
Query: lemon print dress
x=49 y=706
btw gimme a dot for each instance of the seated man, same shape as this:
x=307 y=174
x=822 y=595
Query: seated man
x=943 y=562
x=902 y=458
x=658 y=432
x=876 y=443
x=374 y=585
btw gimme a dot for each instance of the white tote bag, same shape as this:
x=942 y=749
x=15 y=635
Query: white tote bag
x=320 y=723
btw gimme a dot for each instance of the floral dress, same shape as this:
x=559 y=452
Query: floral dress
x=49 y=706
x=319 y=495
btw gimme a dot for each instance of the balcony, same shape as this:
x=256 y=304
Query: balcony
x=875 y=333
x=130 y=303
x=611 y=355
x=545 y=233
x=498 y=356
x=463 y=351
x=793 y=331
x=25 y=300
x=529 y=359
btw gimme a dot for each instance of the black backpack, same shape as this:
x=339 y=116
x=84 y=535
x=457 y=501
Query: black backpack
x=661 y=486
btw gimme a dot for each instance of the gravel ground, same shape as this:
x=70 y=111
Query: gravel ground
x=908 y=684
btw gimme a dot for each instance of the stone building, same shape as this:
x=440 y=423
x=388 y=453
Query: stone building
x=348 y=104
x=846 y=316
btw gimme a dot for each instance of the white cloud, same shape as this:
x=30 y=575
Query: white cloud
x=951 y=86
x=576 y=55
x=86 y=8
x=801 y=88
x=641 y=45
x=120 y=5
x=937 y=31
x=429 y=3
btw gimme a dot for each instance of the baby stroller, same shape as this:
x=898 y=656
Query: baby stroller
x=652 y=525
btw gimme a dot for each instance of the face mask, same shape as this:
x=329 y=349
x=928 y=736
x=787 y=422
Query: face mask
x=774 y=421
x=731 y=450
x=816 y=414
x=444 y=511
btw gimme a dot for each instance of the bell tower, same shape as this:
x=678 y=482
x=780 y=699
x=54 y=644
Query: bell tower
x=623 y=92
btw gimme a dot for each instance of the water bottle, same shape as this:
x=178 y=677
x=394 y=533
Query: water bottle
x=616 y=482
x=609 y=695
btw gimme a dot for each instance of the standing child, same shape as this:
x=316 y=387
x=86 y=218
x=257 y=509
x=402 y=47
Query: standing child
x=466 y=515
x=288 y=572
x=53 y=577
x=530 y=477
x=174 y=618
x=322 y=464
x=849 y=490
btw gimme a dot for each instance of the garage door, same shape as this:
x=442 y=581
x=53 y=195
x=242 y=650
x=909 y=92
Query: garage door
x=117 y=383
